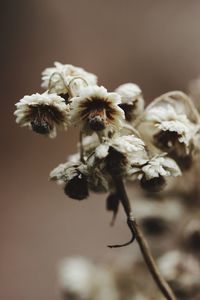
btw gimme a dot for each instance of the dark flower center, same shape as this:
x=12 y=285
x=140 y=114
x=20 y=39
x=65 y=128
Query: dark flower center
x=128 y=110
x=97 y=112
x=153 y=185
x=169 y=141
x=43 y=118
x=154 y=225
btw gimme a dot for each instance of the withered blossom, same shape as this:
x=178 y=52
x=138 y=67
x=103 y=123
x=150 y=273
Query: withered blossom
x=191 y=235
x=43 y=113
x=170 y=123
x=155 y=170
x=96 y=110
x=182 y=271
x=119 y=141
x=74 y=178
x=132 y=100
x=80 y=278
x=117 y=154
x=57 y=79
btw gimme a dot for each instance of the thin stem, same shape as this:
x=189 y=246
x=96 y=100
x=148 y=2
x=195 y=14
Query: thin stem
x=72 y=80
x=81 y=147
x=150 y=262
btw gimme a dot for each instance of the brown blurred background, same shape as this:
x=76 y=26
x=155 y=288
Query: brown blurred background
x=153 y=43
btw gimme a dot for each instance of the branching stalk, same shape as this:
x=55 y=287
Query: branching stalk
x=135 y=229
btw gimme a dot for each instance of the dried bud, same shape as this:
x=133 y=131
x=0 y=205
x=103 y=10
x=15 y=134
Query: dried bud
x=112 y=204
x=77 y=187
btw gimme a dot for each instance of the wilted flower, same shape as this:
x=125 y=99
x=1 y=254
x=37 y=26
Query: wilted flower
x=116 y=155
x=182 y=271
x=96 y=110
x=153 y=173
x=170 y=123
x=43 y=113
x=191 y=235
x=74 y=176
x=57 y=79
x=80 y=278
x=158 y=217
x=132 y=100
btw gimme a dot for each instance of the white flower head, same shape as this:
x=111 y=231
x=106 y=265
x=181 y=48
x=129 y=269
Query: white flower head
x=154 y=172
x=96 y=110
x=161 y=166
x=182 y=270
x=132 y=100
x=76 y=275
x=82 y=279
x=117 y=154
x=170 y=123
x=127 y=145
x=74 y=176
x=43 y=113
x=57 y=78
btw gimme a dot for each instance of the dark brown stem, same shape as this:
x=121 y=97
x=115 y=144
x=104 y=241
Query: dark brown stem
x=81 y=147
x=150 y=262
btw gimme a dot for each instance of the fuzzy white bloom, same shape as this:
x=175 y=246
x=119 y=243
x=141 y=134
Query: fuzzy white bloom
x=126 y=145
x=118 y=155
x=170 y=123
x=57 y=78
x=132 y=100
x=83 y=279
x=160 y=166
x=166 y=118
x=43 y=112
x=76 y=277
x=97 y=110
x=74 y=178
x=179 y=267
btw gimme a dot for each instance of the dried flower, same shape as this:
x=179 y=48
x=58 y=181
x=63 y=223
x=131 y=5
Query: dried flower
x=116 y=155
x=191 y=235
x=74 y=176
x=80 y=278
x=57 y=78
x=153 y=173
x=170 y=123
x=182 y=271
x=96 y=110
x=43 y=113
x=132 y=100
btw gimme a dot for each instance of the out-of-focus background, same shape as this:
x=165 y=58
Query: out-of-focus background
x=155 y=44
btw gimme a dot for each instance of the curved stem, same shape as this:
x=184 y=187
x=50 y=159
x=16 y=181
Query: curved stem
x=72 y=80
x=150 y=262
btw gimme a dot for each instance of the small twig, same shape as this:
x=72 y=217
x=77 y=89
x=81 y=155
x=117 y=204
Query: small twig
x=135 y=229
x=127 y=243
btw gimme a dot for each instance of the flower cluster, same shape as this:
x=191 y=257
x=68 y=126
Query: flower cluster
x=120 y=140
x=119 y=136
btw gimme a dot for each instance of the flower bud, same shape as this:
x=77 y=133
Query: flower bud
x=77 y=187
